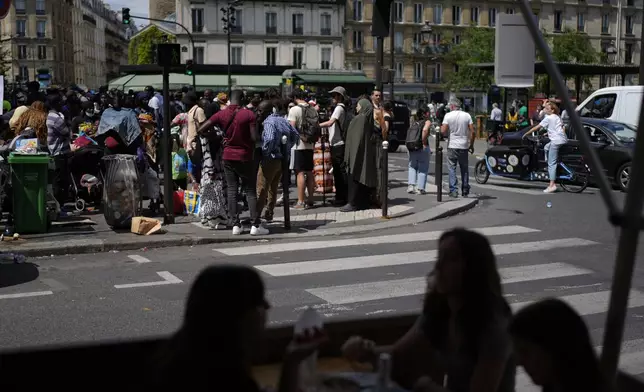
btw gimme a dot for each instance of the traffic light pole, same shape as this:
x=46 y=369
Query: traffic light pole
x=168 y=188
x=192 y=41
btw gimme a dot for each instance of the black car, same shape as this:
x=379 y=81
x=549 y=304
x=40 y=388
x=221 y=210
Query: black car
x=613 y=141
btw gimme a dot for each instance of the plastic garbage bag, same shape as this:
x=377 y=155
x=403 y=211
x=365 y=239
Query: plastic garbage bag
x=121 y=193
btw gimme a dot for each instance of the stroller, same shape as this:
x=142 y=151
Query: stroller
x=87 y=176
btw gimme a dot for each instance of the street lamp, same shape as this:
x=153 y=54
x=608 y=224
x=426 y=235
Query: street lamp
x=229 y=20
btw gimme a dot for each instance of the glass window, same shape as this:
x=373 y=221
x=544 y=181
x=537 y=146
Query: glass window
x=199 y=57
x=629 y=24
x=456 y=15
x=358 y=40
x=20 y=6
x=456 y=39
x=40 y=7
x=236 y=55
x=475 y=16
x=325 y=57
x=581 y=22
x=600 y=107
x=22 y=51
x=237 y=22
x=271 y=23
x=399 y=70
x=42 y=52
x=558 y=20
x=418 y=72
x=438 y=14
x=298 y=24
x=419 y=13
x=41 y=28
x=491 y=13
x=298 y=57
x=357 y=10
x=628 y=53
x=325 y=24
x=398 y=41
x=21 y=27
x=625 y=133
x=197 y=20
x=400 y=12
x=509 y=11
x=605 y=23
x=271 y=55
x=357 y=65
x=24 y=72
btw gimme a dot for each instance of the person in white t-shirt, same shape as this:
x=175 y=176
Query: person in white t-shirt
x=336 y=142
x=557 y=136
x=459 y=125
x=303 y=157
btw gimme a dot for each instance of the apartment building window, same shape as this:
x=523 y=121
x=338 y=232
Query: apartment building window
x=22 y=52
x=236 y=55
x=399 y=9
x=357 y=10
x=197 y=20
x=491 y=15
x=436 y=39
x=400 y=71
x=630 y=3
x=418 y=72
x=298 y=24
x=628 y=54
x=606 y=1
x=271 y=23
x=509 y=11
x=237 y=26
x=558 y=21
x=21 y=27
x=629 y=24
x=419 y=13
x=581 y=22
x=358 y=40
x=456 y=39
x=40 y=7
x=438 y=72
x=23 y=73
x=357 y=65
x=298 y=57
x=438 y=14
x=325 y=24
x=399 y=41
x=40 y=29
x=456 y=15
x=325 y=58
x=605 y=23
x=42 y=52
x=271 y=55
x=475 y=16
x=199 y=55
x=21 y=7
x=417 y=41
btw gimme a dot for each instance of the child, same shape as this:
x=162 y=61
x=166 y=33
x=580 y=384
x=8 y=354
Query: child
x=179 y=163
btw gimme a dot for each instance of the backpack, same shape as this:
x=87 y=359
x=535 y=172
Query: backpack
x=311 y=131
x=414 y=140
x=348 y=116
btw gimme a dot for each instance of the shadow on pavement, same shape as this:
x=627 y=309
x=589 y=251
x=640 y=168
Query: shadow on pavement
x=15 y=274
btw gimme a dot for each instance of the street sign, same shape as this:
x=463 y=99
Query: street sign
x=514 y=52
x=5 y=5
x=168 y=55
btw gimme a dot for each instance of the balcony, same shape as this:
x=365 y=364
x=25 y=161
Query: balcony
x=325 y=31
x=298 y=30
x=271 y=29
x=21 y=34
x=39 y=12
x=419 y=79
x=21 y=11
x=40 y=34
x=90 y=19
x=399 y=50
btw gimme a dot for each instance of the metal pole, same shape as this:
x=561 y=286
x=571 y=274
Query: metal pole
x=589 y=153
x=230 y=77
x=286 y=174
x=379 y=54
x=626 y=253
x=438 y=168
x=392 y=62
x=168 y=189
x=384 y=185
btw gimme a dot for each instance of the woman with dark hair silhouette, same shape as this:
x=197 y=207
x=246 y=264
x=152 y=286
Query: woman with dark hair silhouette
x=223 y=326
x=552 y=343
x=461 y=334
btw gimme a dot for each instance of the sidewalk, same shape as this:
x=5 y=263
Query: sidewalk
x=89 y=233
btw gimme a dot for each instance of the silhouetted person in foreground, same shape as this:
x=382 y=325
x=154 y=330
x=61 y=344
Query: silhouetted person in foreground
x=553 y=345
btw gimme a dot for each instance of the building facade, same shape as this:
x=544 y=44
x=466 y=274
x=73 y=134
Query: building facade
x=287 y=33
x=607 y=23
x=161 y=9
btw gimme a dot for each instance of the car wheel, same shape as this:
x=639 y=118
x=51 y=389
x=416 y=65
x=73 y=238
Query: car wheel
x=623 y=176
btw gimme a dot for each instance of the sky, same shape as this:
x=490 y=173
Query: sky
x=137 y=7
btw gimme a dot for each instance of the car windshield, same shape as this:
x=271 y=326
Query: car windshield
x=623 y=132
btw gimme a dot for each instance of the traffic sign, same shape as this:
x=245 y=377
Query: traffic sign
x=168 y=55
x=5 y=5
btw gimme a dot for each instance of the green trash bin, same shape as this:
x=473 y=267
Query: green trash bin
x=29 y=183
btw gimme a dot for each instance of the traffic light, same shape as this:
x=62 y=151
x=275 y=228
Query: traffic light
x=381 y=16
x=126 y=16
x=189 y=70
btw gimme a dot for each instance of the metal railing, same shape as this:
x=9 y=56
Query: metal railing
x=629 y=219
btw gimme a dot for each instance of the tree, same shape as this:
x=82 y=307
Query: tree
x=140 y=48
x=5 y=60
x=477 y=46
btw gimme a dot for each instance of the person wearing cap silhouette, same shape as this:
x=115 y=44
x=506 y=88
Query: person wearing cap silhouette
x=336 y=131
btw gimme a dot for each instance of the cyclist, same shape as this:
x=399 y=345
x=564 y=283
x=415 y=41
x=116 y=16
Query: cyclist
x=552 y=122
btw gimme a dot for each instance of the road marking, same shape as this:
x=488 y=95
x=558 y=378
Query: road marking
x=387 y=239
x=25 y=295
x=591 y=303
x=532 y=192
x=387 y=260
x=363 y=292
x=168 y=278
x=139 y=259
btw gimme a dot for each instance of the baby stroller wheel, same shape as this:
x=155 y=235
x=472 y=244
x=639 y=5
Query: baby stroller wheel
x=79 y=205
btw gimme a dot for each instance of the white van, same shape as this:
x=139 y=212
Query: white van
x=619 y=103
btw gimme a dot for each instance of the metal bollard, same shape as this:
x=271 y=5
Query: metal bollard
x=438 y=168
x=286 y=173
x=384 y=186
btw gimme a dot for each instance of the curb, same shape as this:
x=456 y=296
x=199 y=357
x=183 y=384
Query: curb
x=53 y=248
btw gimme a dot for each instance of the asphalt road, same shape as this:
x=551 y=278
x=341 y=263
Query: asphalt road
x=566 y=250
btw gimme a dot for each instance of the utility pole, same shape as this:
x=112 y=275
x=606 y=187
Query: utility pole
x=392 y=65
x=229 y=23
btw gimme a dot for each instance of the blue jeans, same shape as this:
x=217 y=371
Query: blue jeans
x=552 y=154
x=418 y=168
x=458 y=156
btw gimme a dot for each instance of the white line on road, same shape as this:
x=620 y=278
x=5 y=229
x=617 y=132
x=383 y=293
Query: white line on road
x=591 y=303
x=25 y=295
x=139 y=259
x=387 y=239
x=424 y=256
x=168 y=278
x=363 y=292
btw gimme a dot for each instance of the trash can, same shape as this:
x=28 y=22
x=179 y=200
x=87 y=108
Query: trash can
x=29 y=174
x=122 y=190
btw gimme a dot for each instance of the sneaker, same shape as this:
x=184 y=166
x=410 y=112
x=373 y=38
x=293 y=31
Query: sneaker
x=550 y=189
x=237 y=230
x=258 y=230
x=420 y=191
x=453 y=195
x=411 y=189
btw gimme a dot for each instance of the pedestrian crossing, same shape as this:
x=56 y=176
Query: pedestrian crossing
x=388 y=275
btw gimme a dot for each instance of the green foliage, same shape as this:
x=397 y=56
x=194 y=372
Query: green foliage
x=477 y=46
x=5 y=60
x=140 y=48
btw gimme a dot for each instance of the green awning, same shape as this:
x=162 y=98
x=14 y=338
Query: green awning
x=334 y=79
x=215 y=82
x=257 y=81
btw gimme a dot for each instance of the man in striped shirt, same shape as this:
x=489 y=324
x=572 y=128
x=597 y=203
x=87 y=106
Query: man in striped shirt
x=58 y=142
